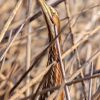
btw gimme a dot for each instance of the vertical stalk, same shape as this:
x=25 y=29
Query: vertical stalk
x=28 y=50
x=62 y=65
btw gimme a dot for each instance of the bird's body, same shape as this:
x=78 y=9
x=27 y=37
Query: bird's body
x=54 y=76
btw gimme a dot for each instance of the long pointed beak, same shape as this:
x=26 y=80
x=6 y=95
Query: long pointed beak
x=45 y=8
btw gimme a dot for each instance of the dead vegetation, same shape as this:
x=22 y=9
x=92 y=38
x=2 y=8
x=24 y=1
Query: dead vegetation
x=24 y=49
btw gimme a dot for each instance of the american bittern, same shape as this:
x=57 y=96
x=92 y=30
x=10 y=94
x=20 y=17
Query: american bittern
x=54 y=77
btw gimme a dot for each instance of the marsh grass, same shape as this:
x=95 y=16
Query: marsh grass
x=24 y=49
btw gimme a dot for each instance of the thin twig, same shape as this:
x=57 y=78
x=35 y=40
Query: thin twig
x=62 y=66
x=6 y=26
x=90 y=83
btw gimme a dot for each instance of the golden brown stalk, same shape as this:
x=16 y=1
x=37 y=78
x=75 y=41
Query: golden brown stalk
x=54 y=77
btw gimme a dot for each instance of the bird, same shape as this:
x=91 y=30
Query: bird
x=54 y=76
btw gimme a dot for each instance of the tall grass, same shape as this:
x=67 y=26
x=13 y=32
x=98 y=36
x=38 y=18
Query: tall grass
x=24 y=49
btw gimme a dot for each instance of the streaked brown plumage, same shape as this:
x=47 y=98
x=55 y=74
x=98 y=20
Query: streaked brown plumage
x=54 y=76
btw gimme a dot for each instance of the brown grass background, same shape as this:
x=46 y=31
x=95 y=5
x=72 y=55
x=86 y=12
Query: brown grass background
x=20 y=46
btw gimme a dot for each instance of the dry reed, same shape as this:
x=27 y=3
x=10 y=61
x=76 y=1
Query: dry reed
x=24 y=49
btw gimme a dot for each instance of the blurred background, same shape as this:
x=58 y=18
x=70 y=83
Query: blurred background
x=24 y=35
